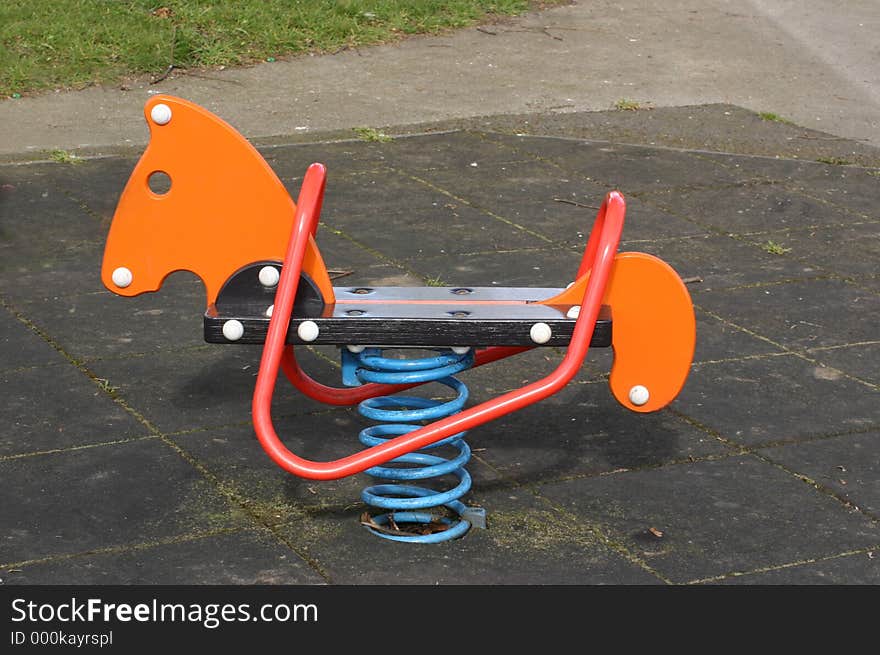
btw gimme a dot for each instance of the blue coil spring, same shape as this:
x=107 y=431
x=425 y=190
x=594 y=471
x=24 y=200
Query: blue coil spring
x=405 y=503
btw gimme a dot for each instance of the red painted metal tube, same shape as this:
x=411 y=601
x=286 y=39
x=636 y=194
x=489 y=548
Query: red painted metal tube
x=609 y=224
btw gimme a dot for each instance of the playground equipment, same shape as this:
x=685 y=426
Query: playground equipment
x=266 y=283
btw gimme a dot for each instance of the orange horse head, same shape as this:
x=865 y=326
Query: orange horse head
x=225 y=207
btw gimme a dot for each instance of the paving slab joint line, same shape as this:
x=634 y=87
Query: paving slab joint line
x=874 y=427
x=804 y=228
x=126 y=548
x=592 y=529
x=776 y=283
x=735 y=450
x=372 y=251
x=787 y=565
x=744 y=358
x=82 y=204
x=490 y=131
x=167 y=350
x=828 y=202
x=512 y=251
x=479 y=208
x=229 y=494
x=249 y=423
x=684 y=461
x=738 y=448
x=227 y=491
x=604 y=537
x=754 y=452
x=743 y=238
x=799 y=354
x=821 y=488
x=33 y=367
x=635 y=194
x=57 y=451
x=853 y=344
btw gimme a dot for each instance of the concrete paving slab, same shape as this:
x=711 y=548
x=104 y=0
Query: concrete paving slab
x=185 y=390
x=843 y=570
x=109 y=496
x=550 y=268
x=830 y=248
x=846 y=465
x=456 y=150
x=36 y=412
x=169 y=320
x=21 y=347
x=718 y=340
x=735 y=514
x=857 y=360
x=586 y=437
x=241 y=557
x=753 y=208
x=841 y=185
x=722 y=262
x=774 y=399
x=801 y=314
x=636 y=168
x=234 y=455
x=435 y=221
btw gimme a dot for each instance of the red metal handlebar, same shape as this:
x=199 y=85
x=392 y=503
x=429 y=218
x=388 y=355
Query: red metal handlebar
x=601 y=249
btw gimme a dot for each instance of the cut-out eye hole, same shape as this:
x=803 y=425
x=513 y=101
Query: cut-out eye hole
x=159 y=182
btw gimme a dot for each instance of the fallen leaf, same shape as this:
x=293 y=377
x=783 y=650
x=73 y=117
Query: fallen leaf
x=162 y=12
x=657 y=533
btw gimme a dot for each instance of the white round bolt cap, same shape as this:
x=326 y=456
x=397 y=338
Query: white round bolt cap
x=269 y=310
x=639 y=395
x=460 y=350
x=540 y=333
x=233 y=330
x=122 y=277
x=574 y=312
x=269 y=276
x=355 y=349
x=161 y=114
x=307 y=331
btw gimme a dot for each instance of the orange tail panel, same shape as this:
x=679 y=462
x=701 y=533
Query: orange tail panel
x=654 y=331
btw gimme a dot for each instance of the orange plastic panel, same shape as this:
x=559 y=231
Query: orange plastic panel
x=653 y=332
x=225 y=209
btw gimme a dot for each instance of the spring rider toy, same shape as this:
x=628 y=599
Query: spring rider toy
x=266 y=283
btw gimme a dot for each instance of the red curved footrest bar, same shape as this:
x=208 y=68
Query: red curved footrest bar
x=598 y=259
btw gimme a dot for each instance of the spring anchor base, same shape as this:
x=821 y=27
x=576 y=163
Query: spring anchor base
x=407 y=517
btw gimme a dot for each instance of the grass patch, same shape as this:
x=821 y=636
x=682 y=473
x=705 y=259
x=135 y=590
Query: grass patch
x=370 y=134
x=435 y=281
x=74 y=43
x=776 y=118
x=64 y=157
x=627 y=105
x=834 y=161
x=774 y=248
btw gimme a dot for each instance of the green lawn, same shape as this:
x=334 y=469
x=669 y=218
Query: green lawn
x=72 y=43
